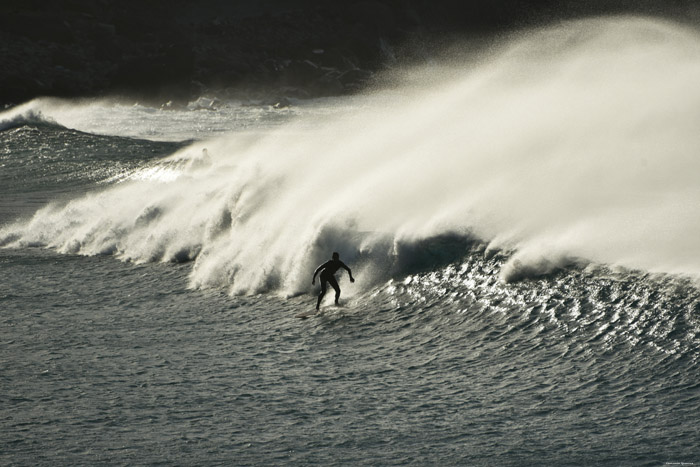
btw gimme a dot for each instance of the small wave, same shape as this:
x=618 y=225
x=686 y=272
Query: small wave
x=520 y=267
x=26 y=115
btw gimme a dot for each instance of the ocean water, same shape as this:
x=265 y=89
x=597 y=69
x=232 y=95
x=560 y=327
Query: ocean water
x=523 y=226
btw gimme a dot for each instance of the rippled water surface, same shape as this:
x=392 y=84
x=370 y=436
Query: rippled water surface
x=120 y=363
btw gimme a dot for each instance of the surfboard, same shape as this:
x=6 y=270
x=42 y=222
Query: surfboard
x=306 y=314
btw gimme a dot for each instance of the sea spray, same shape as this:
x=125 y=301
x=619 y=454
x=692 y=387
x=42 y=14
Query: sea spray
x=571 y=144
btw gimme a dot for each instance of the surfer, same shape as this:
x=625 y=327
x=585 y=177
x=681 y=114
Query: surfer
x=327 y=270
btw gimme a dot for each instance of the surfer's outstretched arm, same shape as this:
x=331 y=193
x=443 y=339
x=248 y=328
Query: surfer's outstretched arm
x=352 y=279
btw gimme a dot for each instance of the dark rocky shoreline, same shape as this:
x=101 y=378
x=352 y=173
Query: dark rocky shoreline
x=178 y=50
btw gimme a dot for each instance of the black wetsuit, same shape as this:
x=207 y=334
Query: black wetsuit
x=328 y=269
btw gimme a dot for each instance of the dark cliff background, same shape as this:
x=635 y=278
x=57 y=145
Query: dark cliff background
x=178 y=50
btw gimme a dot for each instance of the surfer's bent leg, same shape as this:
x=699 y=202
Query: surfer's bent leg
x=334 y=284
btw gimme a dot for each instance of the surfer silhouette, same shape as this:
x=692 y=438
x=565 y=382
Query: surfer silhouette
x=327 y=270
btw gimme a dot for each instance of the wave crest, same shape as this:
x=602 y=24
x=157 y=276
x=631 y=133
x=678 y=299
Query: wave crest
x=553 y=153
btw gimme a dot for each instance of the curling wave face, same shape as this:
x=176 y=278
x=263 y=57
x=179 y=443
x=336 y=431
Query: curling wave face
x=573 y=144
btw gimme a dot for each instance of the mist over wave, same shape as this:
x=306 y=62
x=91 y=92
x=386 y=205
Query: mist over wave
x=572 y=144
x=200 y=119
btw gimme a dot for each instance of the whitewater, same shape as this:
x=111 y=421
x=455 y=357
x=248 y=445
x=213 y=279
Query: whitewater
x=523 y=224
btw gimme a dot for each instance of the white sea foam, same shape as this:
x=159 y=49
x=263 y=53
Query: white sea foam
x=579 y=141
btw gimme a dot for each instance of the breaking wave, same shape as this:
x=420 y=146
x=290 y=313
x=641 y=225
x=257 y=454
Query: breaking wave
x=26 y=114
x=565 y=146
